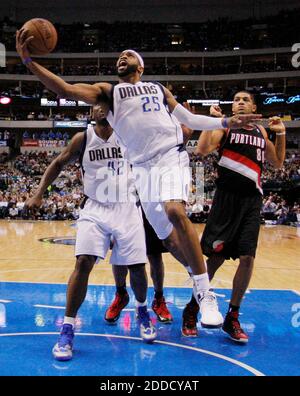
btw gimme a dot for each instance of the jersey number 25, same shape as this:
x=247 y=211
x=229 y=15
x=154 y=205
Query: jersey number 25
x=150 y=103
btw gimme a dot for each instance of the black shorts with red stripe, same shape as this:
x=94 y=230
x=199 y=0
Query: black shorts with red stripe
x=154 y=245
x=233 y=225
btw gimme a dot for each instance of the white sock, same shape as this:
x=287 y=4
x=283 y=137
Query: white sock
x=69 y=320
x=189 y=270
x=140 y=304
x=201 y=284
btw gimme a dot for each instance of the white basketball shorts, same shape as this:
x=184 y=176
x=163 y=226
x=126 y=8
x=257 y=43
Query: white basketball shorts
x=123 y=222
x=164 y=178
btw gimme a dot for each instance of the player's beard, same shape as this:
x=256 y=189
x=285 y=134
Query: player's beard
x=130 y=69
x=102 y=122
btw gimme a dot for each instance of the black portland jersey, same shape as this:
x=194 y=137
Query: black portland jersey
x=241 y=160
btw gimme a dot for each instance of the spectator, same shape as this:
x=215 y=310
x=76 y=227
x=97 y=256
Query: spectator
x=13 y=212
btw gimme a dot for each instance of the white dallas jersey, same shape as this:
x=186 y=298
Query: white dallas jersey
x=142 y=121
x=106 y=175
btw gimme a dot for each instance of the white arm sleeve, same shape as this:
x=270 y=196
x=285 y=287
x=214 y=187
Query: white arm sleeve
x=196 y=121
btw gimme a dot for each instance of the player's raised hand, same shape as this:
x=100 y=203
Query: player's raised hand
x=242 y=120
x=276 y=125
x=22 y=42
x=215 y=111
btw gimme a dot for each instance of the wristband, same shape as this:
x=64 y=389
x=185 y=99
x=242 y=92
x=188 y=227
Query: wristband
x=281 y=134
x=26 y=61
x=224 y=122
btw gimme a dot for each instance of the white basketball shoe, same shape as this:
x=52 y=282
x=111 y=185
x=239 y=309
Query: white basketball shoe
x=211 y=317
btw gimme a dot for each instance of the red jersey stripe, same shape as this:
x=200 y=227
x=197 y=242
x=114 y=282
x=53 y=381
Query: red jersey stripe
x=242 y=159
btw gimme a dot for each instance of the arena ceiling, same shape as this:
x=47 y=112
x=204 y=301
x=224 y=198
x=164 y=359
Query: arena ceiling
x=69 y=11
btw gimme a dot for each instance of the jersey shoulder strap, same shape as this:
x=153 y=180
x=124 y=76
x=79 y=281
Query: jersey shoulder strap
x=262 y=131
x=223 y=140
x=111 y=99
x=161 y=87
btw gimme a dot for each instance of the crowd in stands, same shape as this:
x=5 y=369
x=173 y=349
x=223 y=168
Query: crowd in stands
x=220 y=34
x=276 y=209
x=26 y=97
x=165 y=67
x=283 y=177
x=57 y=116
x=46 y=135
x=15 y=115
x=20 y=178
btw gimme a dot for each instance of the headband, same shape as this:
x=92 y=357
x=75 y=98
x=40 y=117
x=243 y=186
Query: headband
x=140 y=59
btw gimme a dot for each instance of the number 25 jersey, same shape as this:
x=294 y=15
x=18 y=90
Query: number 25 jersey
x=142 y=121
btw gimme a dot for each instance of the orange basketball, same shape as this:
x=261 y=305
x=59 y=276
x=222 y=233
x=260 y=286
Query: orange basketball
x=44 y=33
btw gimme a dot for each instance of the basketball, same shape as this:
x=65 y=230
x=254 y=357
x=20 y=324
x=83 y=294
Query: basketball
x=44 y=33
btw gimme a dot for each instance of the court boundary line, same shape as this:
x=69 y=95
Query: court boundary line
x=165 y=287
x=48 y=306
x=188 y=347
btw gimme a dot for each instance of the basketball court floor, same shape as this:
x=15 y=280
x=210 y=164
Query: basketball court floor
x=37 y=259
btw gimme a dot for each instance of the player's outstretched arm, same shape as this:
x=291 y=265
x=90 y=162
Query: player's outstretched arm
x=71 y=152
x=89 y=93
x=200 y=122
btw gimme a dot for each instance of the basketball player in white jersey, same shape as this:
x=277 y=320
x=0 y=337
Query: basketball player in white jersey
x=102 y=217
x=146 y=118
x=155 y=248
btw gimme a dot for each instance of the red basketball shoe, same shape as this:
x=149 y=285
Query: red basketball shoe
x=160 y=309
x=113 y=312
x=189 y=321
x=233 y=328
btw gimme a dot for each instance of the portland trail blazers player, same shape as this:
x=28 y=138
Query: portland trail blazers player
x=233 y=224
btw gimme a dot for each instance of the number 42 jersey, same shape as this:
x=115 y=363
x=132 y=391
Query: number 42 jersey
x=106 y=175
x=142 y=121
